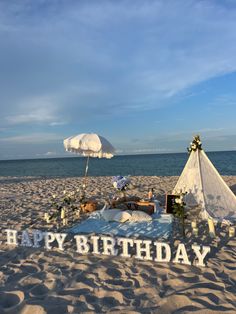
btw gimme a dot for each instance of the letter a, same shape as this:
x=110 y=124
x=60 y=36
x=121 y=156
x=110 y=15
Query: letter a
x=181 y=254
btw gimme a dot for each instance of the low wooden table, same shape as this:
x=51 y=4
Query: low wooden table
x=145 y=206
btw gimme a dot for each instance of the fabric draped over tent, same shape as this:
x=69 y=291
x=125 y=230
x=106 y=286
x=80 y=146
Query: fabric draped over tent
x=205 y=187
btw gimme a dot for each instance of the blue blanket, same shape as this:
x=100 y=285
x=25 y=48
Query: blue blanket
x=159 y=227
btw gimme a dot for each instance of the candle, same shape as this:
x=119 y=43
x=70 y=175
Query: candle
x=48 y=219
x=150 y=194
x=63 y=214
x=211 y=227
x=195 y=231
x=231 y=231
x=65 y=221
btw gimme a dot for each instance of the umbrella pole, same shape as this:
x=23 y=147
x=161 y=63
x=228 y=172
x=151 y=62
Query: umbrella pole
x=86 y=172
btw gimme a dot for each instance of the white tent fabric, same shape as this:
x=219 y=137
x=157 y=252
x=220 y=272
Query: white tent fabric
x=205 y=187
x=91 y=145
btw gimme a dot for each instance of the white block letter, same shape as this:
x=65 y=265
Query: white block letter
x=38 y=236
x=25 y=239
x=82 y=244
x=12 y=237
x=199 y=255
x=95 y=244
x=109 y=246
x=60 y=237
x=160 y=247
x=145 y=249
x=125 y=246
x=49 y=237
x=181 y=254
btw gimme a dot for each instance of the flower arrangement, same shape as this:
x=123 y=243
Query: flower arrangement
x=179 y=209
x=120 y=183
x=195 y=144
x=63 y=206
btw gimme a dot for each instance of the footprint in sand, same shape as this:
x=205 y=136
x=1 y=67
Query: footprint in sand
x=11 y=302
x=41 y=290
x=30 y=268
x=119 y=282
x=115 y=273
x=189 y=278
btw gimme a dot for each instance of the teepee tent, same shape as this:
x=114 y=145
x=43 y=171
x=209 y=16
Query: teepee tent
x=205 y=186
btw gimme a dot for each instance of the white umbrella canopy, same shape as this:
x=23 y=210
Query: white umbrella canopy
x=89 y=145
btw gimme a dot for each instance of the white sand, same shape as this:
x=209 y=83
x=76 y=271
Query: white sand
x=65 y=282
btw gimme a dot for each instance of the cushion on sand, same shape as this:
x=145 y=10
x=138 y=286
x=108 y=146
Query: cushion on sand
x=122 y=216
x=109 y=214
x=139 y=216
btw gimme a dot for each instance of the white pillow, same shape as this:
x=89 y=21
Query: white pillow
x=138 y=216
x=109 y=214
x=122 y=216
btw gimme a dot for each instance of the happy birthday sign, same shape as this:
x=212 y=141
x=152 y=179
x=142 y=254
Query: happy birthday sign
x=105 y=245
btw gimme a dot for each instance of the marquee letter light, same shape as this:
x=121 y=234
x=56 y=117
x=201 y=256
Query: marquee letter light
x=82 y=244
x=109 y=246
x=37 y=236
x=181 y=255
x=199 y=255
x=95 y=244
x=25 y=239
x=60 y=237
x=146 y=249
x=125 y=246
x=49 y=237
x=160 y=247
x=12 y=237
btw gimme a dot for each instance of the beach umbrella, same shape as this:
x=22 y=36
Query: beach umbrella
x=89 y=145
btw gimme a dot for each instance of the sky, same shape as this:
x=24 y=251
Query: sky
x=147 y=75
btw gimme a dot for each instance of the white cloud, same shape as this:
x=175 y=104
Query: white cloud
x=175 y=45
x=53 y=154
x=57 y=123
x=149 y=150
x=50 y=153
x=32 y=110
x=37 y=115
x=143 y=52
x=74 y=62
x=34 y=138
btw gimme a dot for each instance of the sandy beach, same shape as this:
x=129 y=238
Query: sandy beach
x=44 y=281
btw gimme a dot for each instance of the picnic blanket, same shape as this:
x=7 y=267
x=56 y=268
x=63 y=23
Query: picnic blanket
x=159 y=227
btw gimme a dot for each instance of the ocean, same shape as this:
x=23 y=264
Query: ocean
x=134 y=165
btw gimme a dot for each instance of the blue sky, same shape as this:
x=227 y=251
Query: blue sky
x=147 y=75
